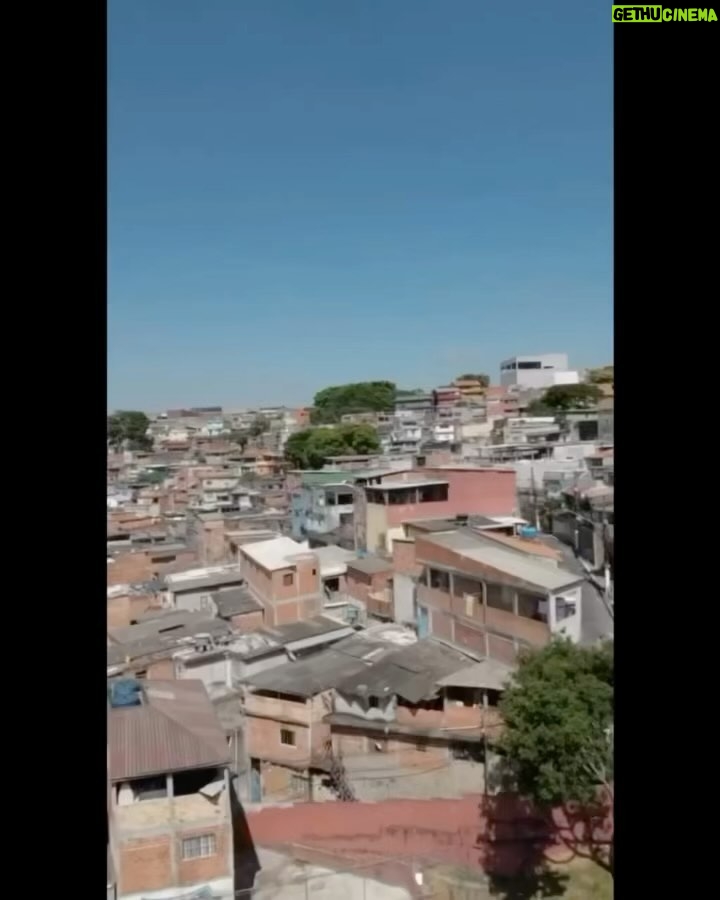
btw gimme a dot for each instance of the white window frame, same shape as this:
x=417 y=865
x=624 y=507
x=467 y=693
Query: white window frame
x=206 y=845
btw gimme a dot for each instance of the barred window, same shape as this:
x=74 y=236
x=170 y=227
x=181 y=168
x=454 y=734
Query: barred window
x=199 y=847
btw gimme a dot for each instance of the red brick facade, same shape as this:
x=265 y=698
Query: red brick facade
x=494 y=834
x=136 y=566
x=146 y=864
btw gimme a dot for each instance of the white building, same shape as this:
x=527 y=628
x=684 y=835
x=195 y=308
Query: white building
x=539 y=371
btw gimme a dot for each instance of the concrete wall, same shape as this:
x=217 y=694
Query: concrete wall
x=124 y=609
x=194 y=601
x=403 y=598
x=266 y=717
x=385 y=711
x=149 y=835
x=360 y=585
x=470 y=491
x=298 y=580
x=482 y=833
x=571 y=625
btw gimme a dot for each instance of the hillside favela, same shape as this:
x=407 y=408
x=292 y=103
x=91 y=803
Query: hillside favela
x=363 y=648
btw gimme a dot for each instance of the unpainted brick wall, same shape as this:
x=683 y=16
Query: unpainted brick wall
x=146 y=863
x=123 y=610
x=248 y=621
x=404 y=557
x=197 y=871
x=138 y=566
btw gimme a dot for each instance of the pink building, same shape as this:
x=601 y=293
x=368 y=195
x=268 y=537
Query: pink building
x=432 y=493
x=500 y=402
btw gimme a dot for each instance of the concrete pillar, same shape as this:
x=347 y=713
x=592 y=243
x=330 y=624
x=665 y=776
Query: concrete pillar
x=552 y=613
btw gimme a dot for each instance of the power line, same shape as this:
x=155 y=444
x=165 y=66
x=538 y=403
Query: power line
x=344 y=871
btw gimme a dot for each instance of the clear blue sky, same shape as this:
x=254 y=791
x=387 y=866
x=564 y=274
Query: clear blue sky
x=310 y=192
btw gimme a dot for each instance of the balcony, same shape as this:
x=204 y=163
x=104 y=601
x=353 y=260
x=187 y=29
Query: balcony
x=281 y=710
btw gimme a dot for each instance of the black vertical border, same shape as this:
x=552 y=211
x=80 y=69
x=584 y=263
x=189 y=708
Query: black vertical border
x=55 y=342
x=665 y=221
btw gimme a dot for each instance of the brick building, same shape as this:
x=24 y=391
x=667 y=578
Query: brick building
x=425 y=493
x=285 y=577
x=369 y=580
x=138 y=564
x=491 y=598
x=171 y=805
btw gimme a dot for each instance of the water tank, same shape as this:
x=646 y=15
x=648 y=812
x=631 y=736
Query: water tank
x=527 y=531
x=125 y=692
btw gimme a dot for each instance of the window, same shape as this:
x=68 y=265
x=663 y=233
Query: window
x=499 y=597
x=439 y=580
x=529 y=365
x=436 y=493
x=314 y=571
x=564 y=608
x=199 y=847
x=373 y=703
x=287 y=737
x=298 y=785
x=532 y=606
x=288 y=579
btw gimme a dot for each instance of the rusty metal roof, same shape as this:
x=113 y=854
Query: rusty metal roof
x=175 y=729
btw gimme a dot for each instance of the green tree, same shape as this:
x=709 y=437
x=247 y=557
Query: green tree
x=558 y=713
x=571 y=396
x=296 y=448
x=539 y=408
x=240 y=438
x=601 y=375
x=361 y=439
x=363 y=396
x=128 y=428
x=482 y=378
x=310 y=448
x=258 y=426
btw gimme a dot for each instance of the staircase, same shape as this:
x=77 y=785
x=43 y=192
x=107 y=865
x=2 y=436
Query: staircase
x=338 y=776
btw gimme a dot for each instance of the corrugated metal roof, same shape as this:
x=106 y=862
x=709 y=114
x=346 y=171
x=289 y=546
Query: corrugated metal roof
x=319 y=672
x=536 y=572
x=148 y=639
x=192 y=579
x=307 y=628
x=176 y=728
x=412 y=672
x=370 y=565
x=489 y=673
x=235 y=601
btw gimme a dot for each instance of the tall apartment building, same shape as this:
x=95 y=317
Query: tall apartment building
x=542 y=370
